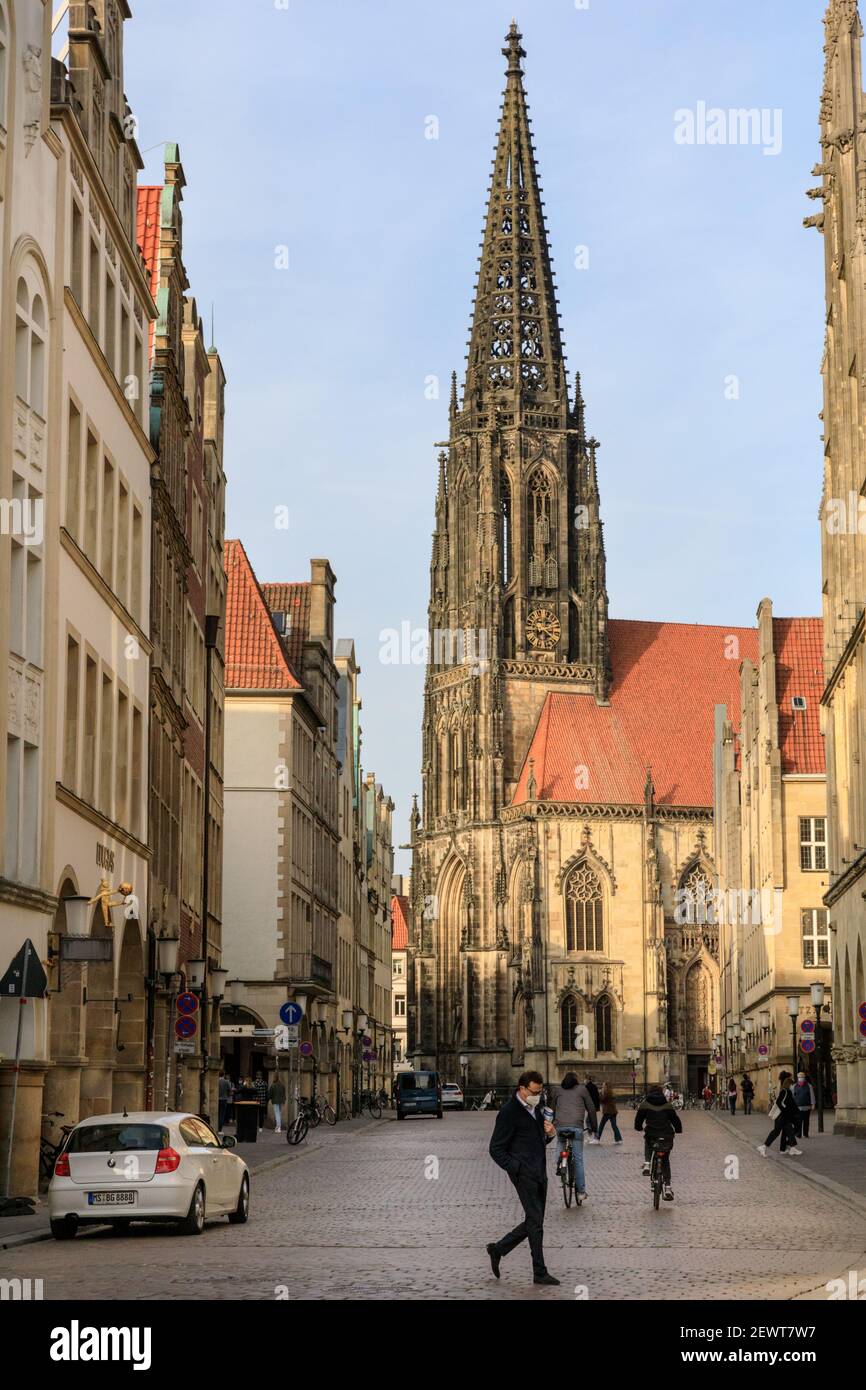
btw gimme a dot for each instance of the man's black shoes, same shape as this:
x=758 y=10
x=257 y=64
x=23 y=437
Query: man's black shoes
x=545 y=1279
x=495 y=1259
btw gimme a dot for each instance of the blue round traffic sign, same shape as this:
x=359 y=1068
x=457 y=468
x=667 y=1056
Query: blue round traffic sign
x=187 y=1003
x=306 y=1049
x=185 y=1027
x=808 y=1045
x=291 y=1013
x=862 y=1011
x=807 y=1026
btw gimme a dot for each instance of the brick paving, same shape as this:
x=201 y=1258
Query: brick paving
x=386 y=1211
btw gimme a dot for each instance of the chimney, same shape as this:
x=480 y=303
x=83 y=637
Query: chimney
x=322 y=581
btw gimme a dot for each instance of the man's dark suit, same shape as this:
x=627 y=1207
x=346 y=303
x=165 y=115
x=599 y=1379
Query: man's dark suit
x=519 y=1146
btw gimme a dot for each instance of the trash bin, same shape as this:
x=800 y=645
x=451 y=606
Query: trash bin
x=247 y=1116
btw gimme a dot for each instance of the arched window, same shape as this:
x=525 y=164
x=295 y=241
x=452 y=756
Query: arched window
x=464 y=543
x=604 y=1025
x=696 y=900
x=456 y=770
x=542 y=531
x=506 y=558
x=584 y=910
x=30 y=348
x=570 y=1019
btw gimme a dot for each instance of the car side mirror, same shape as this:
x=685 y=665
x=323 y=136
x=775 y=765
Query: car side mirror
x=228 y=1141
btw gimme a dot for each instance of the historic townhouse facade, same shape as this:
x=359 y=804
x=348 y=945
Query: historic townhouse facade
x=842 y=173
x=771 y=859
x=399 y=963
x=374 y=955
x=565 y=840
x=76 y=627
x=281 y=899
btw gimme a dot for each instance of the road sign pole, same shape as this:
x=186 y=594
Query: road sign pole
x=7 y=1162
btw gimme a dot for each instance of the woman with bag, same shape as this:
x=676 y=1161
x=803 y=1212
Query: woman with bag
x=609 y=1113
x=784 y=1114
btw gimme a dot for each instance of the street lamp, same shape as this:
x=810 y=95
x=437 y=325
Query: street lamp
x=76 y=909
x=794 y=1011
x=167 y=949
x=818 y=1004
x=195 y=973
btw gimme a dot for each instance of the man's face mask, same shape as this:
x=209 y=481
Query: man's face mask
x=531 y=1099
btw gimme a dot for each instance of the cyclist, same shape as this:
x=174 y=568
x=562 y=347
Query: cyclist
x=572 y=1107
x=659 y=1120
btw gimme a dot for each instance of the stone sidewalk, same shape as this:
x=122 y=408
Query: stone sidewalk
x=270 y=1151
x=831 y=1161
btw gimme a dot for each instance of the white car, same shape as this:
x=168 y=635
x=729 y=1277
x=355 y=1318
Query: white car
x=452 y=1097
x=146 y=1166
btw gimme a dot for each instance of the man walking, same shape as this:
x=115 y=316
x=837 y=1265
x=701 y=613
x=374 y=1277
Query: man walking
x=519 y=1143
x=747 y=1090
x=804 y=1099
x=261 y=1089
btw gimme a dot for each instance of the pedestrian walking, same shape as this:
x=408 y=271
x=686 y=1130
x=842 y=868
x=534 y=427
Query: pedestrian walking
x=593 y=1091
x=707 y=1094
x=261 y=1089
x=609 y=1113
x=732 y=1095
x=747 y=1091
x=804 y=1099
x=573 y=1110
x=784 y=1115
x=519 y=1145
x=277 y=1097
x=224 y=1097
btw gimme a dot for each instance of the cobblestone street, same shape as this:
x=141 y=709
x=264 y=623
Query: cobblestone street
x=358 y=1217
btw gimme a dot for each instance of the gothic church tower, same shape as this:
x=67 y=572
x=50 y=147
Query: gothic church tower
x=518 y=607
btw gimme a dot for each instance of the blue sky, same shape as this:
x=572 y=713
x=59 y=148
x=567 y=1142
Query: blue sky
x=304 y=127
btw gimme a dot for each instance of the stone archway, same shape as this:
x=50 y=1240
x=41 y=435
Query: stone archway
x=129 y=1043
x=100 y=1025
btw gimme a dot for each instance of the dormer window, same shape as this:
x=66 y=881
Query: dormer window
x=798 y=702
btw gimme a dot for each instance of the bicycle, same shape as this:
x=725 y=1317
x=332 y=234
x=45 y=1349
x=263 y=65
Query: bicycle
x=50 y=1152
x=324 y=1111
x=299 y=1128
x=656 y=1170
x=345 y=1108
x=370 y=1102
x=567 y=1172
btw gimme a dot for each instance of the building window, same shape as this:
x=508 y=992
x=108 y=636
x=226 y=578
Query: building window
x=399 y=1006
x=505 y=530
x=30 y=348
x=584 y=911
x=813 y=842
x=570 y=1018
x=816 y=938
x=542 y=532
x=70 y=741
x=604 y=1025
x=398 y=965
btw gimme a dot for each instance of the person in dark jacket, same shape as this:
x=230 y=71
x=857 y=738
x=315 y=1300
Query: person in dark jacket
x=519 y=1145
x=594 y=1092
x=574 y=1112
x=804 y=1098
x=659 y=1120
x=786 y=1121
x=747 y=1089
x=261 y=1086
x=732 y=1095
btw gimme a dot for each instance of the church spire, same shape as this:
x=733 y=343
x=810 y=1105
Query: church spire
x=515 y=349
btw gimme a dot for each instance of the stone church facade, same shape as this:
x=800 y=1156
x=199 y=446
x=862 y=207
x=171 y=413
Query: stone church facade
x=563 y=850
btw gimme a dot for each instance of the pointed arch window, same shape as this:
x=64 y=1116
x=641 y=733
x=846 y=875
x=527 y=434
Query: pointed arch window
x=30 y=348
x=542 y=531
x=464 y=542
x=570 y=1019
x=458 y=784
x=697 y=901
x=584 y=910
x=506 y=558
x=604 y=1025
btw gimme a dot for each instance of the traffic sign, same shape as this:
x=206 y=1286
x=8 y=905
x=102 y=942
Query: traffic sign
x=862 y=1012
x=185 y=1027
x=187 y=1003
x=807 y=1026
x=184 y=1047
x=286 y=1036
x=291 y=1013
x=763 y=1050
x=863 y=1027
x=370 y=1056
x=366 y=1042
x=306 y=1049
x=808 y=1045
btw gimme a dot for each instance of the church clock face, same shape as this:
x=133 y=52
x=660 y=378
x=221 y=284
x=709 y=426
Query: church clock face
x=543 y=629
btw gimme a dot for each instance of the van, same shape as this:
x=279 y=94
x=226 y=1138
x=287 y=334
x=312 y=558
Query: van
x=418 y=1093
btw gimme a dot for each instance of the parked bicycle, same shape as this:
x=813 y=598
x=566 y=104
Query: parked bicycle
x=324 y=1110
x=370 y=1101
x=486 y=1102
x=48 y=1151
x=299 y=1128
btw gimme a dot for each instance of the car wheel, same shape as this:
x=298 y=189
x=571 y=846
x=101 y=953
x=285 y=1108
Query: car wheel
x=439 y=1113
x=239 y=1216
x=64 y=1229
x=193 y=1222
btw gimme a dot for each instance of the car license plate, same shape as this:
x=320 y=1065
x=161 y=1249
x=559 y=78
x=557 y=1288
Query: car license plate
x=111 y=1199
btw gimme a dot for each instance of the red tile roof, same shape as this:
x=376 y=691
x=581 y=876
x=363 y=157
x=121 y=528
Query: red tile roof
x=399 y=922
x=667 y=678
x=147 y=235
x=294 y=601
x=255 y=656
x=798 y=648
